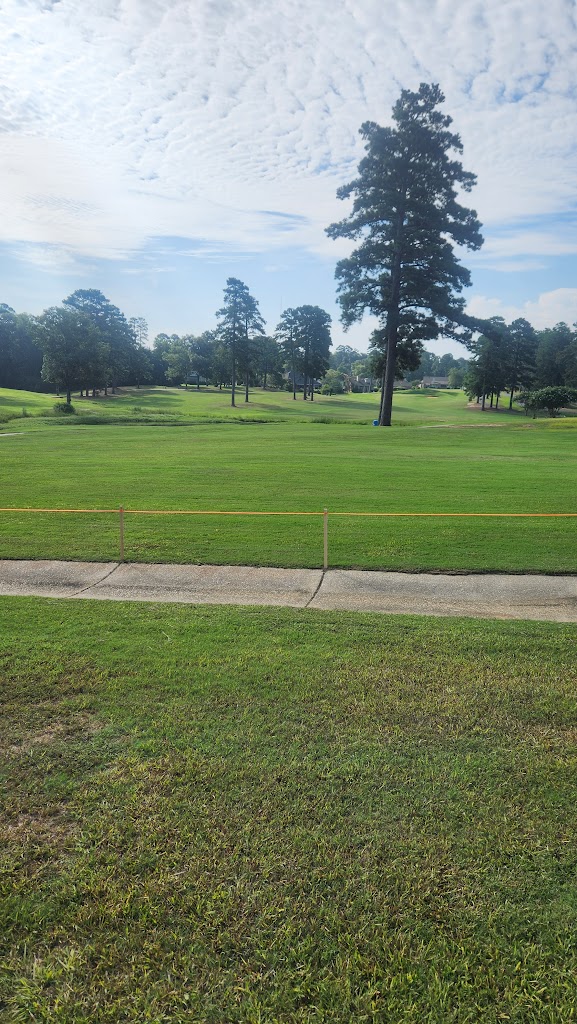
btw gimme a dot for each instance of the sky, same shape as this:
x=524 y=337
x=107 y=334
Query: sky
x=153 y=148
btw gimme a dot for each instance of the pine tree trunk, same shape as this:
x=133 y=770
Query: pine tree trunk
x=382 y=398
x=389 y=379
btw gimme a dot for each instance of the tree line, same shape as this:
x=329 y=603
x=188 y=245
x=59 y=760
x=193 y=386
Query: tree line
x=517 y=358
x=87 y=344
x=405 y=221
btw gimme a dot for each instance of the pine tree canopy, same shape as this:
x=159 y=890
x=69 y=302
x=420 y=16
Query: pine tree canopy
x=406 y=217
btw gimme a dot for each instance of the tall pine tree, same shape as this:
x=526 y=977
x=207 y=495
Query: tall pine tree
x=405 y=212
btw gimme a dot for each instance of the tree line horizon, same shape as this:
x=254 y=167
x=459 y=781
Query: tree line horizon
x=405 y=217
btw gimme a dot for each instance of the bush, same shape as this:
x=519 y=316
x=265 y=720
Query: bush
x=64 y=409
x=551 y=398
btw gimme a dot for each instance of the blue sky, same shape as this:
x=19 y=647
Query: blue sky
x=153 y=148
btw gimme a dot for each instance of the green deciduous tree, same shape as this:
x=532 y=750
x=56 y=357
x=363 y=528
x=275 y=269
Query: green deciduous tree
x=70 y=343
x=333 y=383
x=20 y=357
x=267 y=361
x=406 y=213
x=552 y=399
x=343 y=357
x=116 y=336
x=304 y=334
x=555 y=359
x=177 y=357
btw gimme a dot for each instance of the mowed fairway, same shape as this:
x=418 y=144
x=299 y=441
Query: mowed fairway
x=164 y=405
x=476 y=463
x=252 y=815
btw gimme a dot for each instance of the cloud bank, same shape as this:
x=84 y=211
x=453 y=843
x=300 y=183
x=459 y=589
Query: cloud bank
x=233 y=122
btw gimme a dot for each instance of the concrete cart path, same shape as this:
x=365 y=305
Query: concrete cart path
x=550 y=598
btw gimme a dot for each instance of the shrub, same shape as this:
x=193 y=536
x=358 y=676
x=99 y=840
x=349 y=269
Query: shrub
x=64 y=409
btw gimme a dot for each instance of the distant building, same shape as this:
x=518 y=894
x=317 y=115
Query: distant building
x=434 y=382
x=195 y=378
x=300 y=380
x=404 y=385
x=362 y=385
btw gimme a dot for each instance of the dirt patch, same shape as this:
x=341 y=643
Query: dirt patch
x=47 y=826
x=77 y=727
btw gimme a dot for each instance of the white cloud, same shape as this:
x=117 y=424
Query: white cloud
x=548 y=309
x=127 y=119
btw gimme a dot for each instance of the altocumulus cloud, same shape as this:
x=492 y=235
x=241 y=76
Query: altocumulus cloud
x=127 y=119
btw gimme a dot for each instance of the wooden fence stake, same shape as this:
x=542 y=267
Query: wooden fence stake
x=121 y=523
x=326 y=538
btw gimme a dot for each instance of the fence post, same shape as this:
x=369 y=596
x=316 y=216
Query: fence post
x=326 y=538
x=121 y=524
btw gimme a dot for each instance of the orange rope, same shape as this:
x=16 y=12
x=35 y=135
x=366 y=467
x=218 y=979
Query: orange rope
x=196 y=512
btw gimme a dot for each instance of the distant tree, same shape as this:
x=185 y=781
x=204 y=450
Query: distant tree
x=20 y=356
x=554 y=358
x=405 y=210
x=238 y=320
x=202 y=354
x=289 y=340
x=520 y=356
x=488 y=371
x=268 y=361
x=70 y=343
x=446 y=363
x=333 y=383
x=314 y=332
x=117 y=339
x=160 y=347
x=8 y=345
x=188 y=356
x=253 y=333
x=139 y=328
x=360 y=367
x=428 y=365
x=343 y=357
x=140 y=368
x=177 y=356
x=456 y=376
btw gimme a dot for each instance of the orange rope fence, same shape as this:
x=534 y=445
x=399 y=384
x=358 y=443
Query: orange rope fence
x=121 y=512
x=204 y=512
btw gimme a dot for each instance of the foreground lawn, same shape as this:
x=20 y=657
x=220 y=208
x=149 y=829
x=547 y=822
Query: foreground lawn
x=295 y=467
x=262 y=815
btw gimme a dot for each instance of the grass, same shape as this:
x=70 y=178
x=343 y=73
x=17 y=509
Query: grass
x=262 y=815
x=297 y=466
x=160 y=405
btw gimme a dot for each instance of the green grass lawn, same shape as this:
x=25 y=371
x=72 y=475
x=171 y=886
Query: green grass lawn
x=161 y=405
x=268 y=815
x=475 y=463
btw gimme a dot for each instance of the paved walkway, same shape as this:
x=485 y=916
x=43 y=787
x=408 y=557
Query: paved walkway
x=552 y=598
